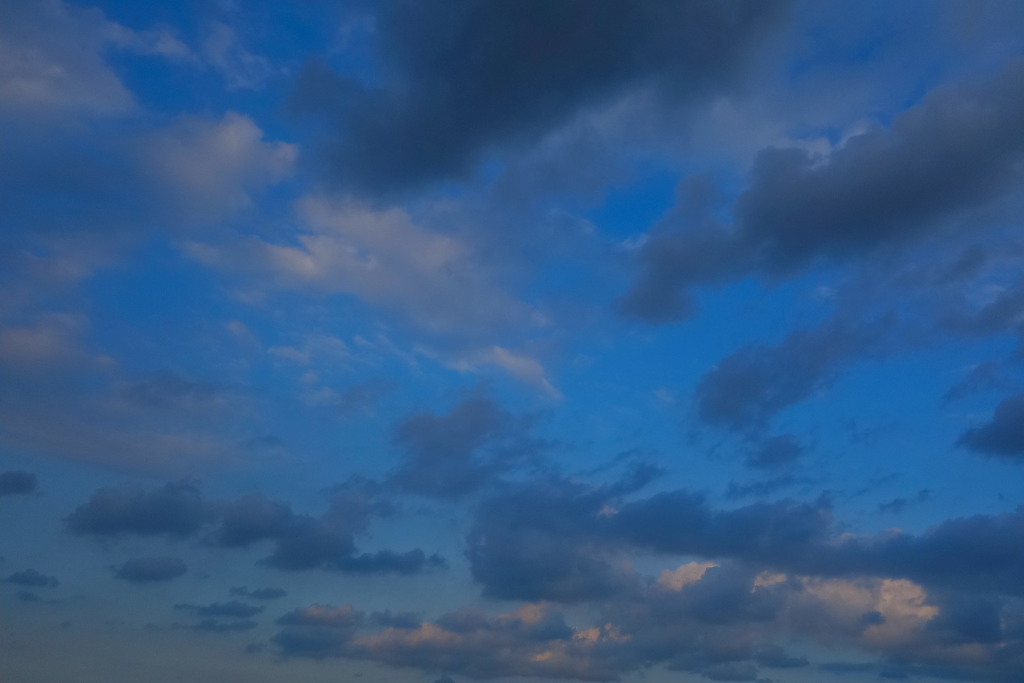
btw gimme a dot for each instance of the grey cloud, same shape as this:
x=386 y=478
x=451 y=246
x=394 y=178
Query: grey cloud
x=454 y=454
x=175 y=510
x=32 y=577
x=544 y=542
x=550 y=59
x=1003 y=435
x=983 y=377
x=259 y=593
x=253 y=518
x=561 y=542
x=232 y=609
x=749 y=387
x=150 y=569
x=957 y=150
x=16 y=482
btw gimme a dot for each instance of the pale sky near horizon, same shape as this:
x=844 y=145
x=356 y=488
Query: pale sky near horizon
x=542 y=340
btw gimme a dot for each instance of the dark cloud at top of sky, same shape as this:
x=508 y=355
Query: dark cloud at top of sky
x=16 y=482
x=451 y=455
x=956 y=151
x=34 y=578
x=1003 y=434
x=175 y=510
x=150 y=569
x=472 y=76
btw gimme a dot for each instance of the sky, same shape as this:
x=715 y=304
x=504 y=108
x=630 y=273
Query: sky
x=532 y=340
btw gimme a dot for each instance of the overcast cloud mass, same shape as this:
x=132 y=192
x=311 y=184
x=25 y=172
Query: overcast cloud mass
x=537 y=340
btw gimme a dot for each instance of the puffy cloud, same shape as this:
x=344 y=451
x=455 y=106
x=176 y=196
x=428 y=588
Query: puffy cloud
x=17 y=482
x=1003 y=435
x=208 y=169
x=150 y=569
x=175 y=510
x=957 y=150
x=442 y=110
x=33 y=578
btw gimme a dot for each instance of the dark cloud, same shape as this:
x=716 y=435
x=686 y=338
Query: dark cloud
x=175 y=510
x=390 y=562
x=253 y=518
x=232 y=609
x=472 y=76
x=259 y=593
x=749 y=387
x=983 y=377
x=544 y=541
x=454 y=454
x=777 y=451
x=957 y=150
x=16 y=482
x=150 y=569
x=898 y=505
x=1003 y=434
x=31 y=577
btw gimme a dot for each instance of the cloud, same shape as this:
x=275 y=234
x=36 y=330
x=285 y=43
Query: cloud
x=1003 y=435
x=208 y=169
x=17 y=482
x=232 y=609
x=776 y=451
x=442 y=111
x=259 y=593
x=150 y=569
x=53 y=60
x=451 y=455
x=33 y=578
x=385 y=258
x=749 y=387
x=545 y=541
x=299 y=541
x=958 y=150
x=174 y=510
x=169 y=390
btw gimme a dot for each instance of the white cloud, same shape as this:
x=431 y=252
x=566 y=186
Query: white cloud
x=384 y=258
x=211 y=168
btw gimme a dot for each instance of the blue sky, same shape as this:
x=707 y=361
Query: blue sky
x=447 y=341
